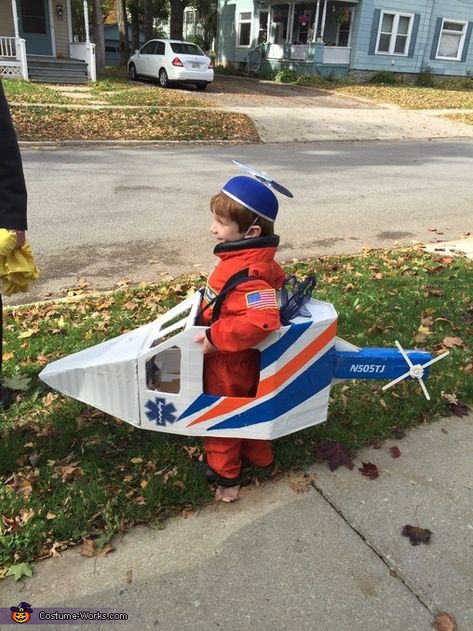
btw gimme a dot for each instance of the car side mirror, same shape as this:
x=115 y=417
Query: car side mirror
x=137 y=51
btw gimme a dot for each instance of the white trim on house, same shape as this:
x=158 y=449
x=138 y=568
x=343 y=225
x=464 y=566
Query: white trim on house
x=69 y=19
x=461 y=34
x=238 y=29
x=52 y=30
x=394 y=33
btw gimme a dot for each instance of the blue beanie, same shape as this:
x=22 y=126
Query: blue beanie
x=254 y=195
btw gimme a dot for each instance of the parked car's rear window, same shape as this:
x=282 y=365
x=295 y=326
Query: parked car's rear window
x=186 y=49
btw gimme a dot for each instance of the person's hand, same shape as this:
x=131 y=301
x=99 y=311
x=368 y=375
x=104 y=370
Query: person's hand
x=206 y=345
x=20 y=238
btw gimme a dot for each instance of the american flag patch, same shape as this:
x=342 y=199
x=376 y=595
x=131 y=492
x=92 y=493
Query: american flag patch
x=209 y=293
x=263 y=299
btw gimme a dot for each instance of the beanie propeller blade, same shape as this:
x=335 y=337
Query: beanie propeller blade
x=262 y=177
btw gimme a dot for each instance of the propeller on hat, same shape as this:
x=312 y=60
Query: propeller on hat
x=262 y=177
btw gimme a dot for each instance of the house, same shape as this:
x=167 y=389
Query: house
x=112 y=43
x=37 y=41
x=347 y=37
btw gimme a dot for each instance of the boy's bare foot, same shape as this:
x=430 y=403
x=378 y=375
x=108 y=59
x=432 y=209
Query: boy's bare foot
x=227 y=494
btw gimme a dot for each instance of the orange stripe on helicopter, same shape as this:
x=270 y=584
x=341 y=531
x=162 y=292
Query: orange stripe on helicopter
x=272 y=382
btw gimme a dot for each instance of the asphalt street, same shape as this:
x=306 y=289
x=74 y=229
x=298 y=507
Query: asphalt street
x=138 y=212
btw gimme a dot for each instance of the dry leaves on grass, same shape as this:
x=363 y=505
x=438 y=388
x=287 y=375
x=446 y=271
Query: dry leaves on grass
x=56 y=123
x=90 y=549
x=412 y=97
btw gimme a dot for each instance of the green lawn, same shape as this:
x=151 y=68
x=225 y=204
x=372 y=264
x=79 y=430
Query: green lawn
x=69 y=472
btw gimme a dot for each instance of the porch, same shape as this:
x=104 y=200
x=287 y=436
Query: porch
x=310 y=37
x=37 y=44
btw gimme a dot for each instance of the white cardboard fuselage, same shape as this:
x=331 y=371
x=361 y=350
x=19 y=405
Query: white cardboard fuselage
x=292 y=395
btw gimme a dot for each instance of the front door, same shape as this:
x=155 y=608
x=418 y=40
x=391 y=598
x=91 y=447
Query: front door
x=34 y=26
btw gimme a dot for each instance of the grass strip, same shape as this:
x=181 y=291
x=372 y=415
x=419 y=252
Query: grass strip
x=37 y=123
x=26 y=92
x=411 y=97
x=69 y=472
x=461 y=118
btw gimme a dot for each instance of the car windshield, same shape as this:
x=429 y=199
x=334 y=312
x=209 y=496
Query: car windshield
x=186 y=49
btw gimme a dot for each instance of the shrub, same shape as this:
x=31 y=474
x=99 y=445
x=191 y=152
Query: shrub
x=384 y=76
x=426 y=78
x=285 y=75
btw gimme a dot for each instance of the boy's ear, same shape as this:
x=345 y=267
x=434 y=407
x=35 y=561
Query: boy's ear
x=253 y=231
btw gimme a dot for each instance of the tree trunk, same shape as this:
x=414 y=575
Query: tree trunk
x=148 y=19
x=122 y=31
x=99 y=37
x=135 y=27
x=177 y=18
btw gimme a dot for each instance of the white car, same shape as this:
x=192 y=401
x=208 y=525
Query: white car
x=171 y=60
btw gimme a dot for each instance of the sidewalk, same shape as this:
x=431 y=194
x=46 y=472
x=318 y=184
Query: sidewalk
x=328 y=124
x=332 y=558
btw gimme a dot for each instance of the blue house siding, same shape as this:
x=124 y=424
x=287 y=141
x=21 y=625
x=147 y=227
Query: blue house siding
x=364 y=56
x=461 y=10
x=427 y=16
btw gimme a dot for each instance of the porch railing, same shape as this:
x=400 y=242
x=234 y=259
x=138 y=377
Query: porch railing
x=7 y=47
x=85 y=51
x=337 y=55
x=13 y=57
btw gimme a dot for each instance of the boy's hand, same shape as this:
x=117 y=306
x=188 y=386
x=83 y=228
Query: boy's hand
x=206 y=345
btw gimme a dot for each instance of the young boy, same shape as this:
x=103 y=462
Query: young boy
x=243 y=225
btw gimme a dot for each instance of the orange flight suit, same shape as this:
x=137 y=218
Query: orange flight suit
x=249 y=312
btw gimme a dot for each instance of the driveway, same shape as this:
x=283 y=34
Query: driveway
x=230 y=92
x=287 y=113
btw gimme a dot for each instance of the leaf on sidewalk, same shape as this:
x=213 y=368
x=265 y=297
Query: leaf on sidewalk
x=369 y=470
x=300 y=482
x=336 y=454
x=416 y=535
x=395 y=452
x=19 y=570
x=444 y=622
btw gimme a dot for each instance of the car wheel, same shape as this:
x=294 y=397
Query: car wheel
x=132 y=72
x=201 y=86
x=163 y=78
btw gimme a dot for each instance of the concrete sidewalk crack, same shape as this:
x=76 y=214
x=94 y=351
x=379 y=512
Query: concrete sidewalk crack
x=392 y=572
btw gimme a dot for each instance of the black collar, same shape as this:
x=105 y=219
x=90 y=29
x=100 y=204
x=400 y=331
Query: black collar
x=271 y=241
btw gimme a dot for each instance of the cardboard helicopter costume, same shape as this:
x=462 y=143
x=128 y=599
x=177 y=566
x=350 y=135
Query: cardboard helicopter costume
x=152 y=377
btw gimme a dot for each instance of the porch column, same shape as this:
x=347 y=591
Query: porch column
x=15 y=18
x=290 y=23
x=269 y=25
x=324 y=18
x=86 y=22
x=316 y=22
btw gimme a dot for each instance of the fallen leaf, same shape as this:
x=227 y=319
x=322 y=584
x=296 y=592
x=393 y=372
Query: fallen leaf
x=300 y=482
x=88 y=549
x=395 y=452
x=335 y=454
x=369 y=469
x=17 y=382
x=416 y=535
x=451 y=342
x=19 y=570
x=459 y=409
x=444 y=622
x=129 y=576
x=136 y=460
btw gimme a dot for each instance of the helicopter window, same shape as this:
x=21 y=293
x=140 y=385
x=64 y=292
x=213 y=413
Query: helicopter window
x=163 y=371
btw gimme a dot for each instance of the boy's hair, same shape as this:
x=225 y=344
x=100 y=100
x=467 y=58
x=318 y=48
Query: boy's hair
x=223 y=206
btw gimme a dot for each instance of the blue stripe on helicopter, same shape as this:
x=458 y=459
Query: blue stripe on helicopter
x=315 y=378
x=274 y=352
x=203 y=401
x=376 y=363
x=268 y=356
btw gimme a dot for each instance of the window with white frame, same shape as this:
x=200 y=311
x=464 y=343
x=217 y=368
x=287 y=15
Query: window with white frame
x=451 y=40
x=394 y=33
x=244 y=29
